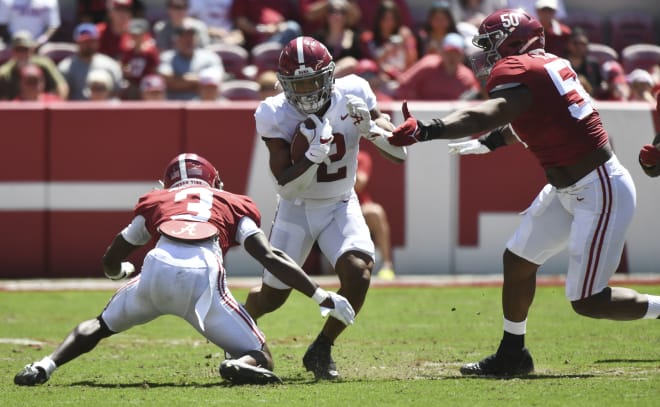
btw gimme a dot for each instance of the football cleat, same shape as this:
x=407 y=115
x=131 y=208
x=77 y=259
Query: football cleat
x=238 y=372
x=501 y=364
x=31 y=375
x=318 y=360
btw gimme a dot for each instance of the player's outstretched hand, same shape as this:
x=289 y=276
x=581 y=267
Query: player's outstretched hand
x=649 y=156
x=319 y=146
x=468 y=147
x=127 y=269
x=406 y=133
x=343 y=311
x=359 y=112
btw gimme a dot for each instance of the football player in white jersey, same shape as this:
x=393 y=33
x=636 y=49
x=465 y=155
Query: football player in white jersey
x=317 y=201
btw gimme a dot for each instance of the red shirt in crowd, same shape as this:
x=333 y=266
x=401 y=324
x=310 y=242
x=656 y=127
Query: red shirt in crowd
x=427 y=80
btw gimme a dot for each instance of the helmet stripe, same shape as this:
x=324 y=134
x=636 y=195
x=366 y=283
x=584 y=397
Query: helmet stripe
x=301 y=54
x=182 y=167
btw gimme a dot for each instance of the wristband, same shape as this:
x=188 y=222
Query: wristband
x=320 y=295
x=430 y=130
x=493 y=140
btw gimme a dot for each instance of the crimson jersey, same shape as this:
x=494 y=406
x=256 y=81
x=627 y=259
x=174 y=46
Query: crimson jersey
x=562 y=125
x=220 y=208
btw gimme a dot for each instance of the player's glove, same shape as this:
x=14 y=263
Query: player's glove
x=408 y=132
x=341 y=310
x=474 y=146
x=649 y=156
x=320 y=139
x=127 y=269
x=359 y=112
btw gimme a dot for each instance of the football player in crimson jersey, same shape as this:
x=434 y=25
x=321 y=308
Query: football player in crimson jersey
x=194 y=222
x=588 y=203
x=317 y=201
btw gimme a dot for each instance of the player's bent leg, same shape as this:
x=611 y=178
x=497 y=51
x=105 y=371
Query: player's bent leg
x=265 y=299
x=616 y=303
x=518 y=286
x=81 y=340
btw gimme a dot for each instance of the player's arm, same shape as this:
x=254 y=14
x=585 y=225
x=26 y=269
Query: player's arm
x=502 y=108
x=291 y=178
x=649 y=158
x=284 y=268
x=114 y=266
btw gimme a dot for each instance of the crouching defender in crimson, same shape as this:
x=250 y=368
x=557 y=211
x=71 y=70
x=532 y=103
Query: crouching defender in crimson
x=196 y=222
x=588 y=203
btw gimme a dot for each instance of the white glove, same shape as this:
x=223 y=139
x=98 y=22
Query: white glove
x=342 y=311
x=359 y=112
x=126 y=270
x=320 y=140
x=473 y=146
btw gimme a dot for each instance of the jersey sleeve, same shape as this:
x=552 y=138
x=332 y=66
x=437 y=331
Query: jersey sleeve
x=360 y=87
x=136 y=233
x=507 y=73
x=266 y=119
x=246 y=228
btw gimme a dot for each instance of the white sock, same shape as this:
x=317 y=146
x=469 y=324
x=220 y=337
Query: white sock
x=516 y=328
x=47 y=364
x=653 y=310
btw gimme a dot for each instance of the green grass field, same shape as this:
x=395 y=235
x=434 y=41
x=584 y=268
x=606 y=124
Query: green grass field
x=404 y=349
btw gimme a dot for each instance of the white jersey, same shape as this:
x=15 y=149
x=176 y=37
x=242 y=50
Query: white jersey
x=277 y=118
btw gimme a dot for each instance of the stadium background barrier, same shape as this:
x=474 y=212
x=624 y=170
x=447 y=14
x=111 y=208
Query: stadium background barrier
x=72 y=172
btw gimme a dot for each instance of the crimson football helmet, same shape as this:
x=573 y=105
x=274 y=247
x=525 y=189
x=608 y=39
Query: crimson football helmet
x=504 y=33
x=307 y=73
x=190 y=169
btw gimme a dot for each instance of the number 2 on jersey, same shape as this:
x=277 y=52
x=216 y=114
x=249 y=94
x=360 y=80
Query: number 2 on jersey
x=322 y=175
x=566 y=82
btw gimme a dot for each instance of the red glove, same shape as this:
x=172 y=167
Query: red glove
x=649 y=156
x=406 y=133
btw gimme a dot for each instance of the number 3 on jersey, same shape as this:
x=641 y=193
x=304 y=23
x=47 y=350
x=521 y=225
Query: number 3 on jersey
x=566 y=82
x=199 y=210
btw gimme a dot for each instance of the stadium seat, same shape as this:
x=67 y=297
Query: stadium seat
x=234 y=58
x=265 y=56
x=240 y=89
x=592 y=24
x=57 y=51
x=644 y=56
x=629 y=28
x=602 y=52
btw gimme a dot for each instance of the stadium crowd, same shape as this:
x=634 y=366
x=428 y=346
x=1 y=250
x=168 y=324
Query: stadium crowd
x=216 y=49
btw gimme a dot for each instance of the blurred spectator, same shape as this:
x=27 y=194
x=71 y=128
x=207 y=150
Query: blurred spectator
x=440 y=77
x=530 y=7
x=177 y=12
x=369 y=13
x=99 y=86
x=113 y=34
x=216 y=14
x=474 y=11
x=439 y=22
x=315 y=12
x=369 y=70
x=341 y=40
x=556 y=34
x=31 y=88
x=139 y=60
x=390 y=43
x=76 y=68
x=152 y=87
x=41 y=18
x=641 y=86
x=587 y=68
x=22 y=54
x=268 y=84
x=614 y=85
x=266 y=21
x=181 y=66
x=96 y=11
x=375 y=216
x=210 y=85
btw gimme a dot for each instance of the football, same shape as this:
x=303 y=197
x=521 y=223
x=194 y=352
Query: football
x=299 y=143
